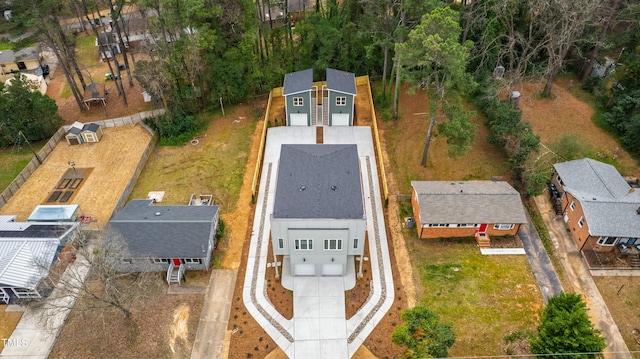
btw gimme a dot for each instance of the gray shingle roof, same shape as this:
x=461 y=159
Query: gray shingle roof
x=9 y=56
x=164 y=231
x=92 y=127
x=319 y=181
x=298 y=81
x=608 y=202
x=468 y=202
x=341 y=81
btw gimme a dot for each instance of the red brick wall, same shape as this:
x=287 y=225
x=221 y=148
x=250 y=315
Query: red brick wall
x=580 y=234
x=464 y=232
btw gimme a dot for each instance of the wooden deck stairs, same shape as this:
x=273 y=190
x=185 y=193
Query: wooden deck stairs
x=634 y=260
x=483 y=240
x=557 y=206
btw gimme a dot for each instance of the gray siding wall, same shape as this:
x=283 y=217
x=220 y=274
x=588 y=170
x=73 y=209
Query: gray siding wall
x=147 y=265
x=306 y=108
x=333 y=108
x=318 y=230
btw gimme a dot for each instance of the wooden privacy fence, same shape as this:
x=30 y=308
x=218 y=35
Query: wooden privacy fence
x=263 y=138
x=37 y=160
x=377 y=145
x=134 y=178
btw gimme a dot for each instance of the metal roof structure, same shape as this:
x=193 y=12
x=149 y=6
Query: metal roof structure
x=28 y=249
x=296 y=82
x=468 y=202
x=153 y=231
x=609 y=203
x=319 y=181
x=341 y=81
x=53 y=213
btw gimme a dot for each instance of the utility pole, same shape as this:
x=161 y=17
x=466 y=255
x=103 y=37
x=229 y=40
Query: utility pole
x=32 y=150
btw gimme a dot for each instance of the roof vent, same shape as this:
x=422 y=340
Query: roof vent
x=333 y=188
x=158 y=213
x=302 y=188
x=638 y=210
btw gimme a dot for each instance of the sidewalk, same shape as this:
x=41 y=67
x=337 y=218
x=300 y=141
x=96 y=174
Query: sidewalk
x=38 y=328
x=582 y=281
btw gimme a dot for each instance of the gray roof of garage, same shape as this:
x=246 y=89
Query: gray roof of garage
x=298 y=81
x=9 y=56
x=608 y=202
x=468 y=202
x=341 y=81
x=319 y=181
x=164 y=231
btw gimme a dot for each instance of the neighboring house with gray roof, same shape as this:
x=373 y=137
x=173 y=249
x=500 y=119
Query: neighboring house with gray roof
x=309 y=104
x=445 y=209
x=27 y=250
x=26 y=59
x=164 y=238
x=318 y=222
x=600 y=208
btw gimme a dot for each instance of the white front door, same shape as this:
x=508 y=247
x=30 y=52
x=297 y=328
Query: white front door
x=305 y=269
x=340 y=119
x=332 y=269
x=298 y=119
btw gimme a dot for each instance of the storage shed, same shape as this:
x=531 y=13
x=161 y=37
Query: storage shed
x=91 y=133
x=79 y=133
x=73 y=135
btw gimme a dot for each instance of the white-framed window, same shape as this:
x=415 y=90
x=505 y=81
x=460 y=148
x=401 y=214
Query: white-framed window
x=467 y=225
x=332 y=244
x=303 y=244
x=355 y=243
x=607 y=241
x=438 y=225
x=160 y=260
x=341 y=101
x=193 y=260
x=298 y=101
x=572 y=205
x=581 y=221
x=503 y=226
x=281 y=243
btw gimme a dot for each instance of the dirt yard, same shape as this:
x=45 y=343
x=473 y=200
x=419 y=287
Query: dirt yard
x=113 y=160
x=162 y=327
x=565 y=114
x=68 y=108
x=623 y=300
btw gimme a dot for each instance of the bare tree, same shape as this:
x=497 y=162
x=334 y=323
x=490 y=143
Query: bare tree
x=96 y=281
x=562 y=23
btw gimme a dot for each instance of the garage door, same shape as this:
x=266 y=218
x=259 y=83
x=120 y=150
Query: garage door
x=332 y=269
x=340 y=119
x=305 y=269
x=298 y=119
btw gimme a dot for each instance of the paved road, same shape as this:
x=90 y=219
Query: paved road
x=582 y=282
x=540 y=263
x=210 y=338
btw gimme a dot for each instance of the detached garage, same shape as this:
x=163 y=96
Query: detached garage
x=297 y=93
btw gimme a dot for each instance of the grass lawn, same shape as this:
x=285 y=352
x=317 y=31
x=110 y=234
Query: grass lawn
x=214 y=166
x=486 y=298
x=14 y=159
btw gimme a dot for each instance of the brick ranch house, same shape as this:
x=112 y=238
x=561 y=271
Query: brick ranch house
x=445 y=209
x=599 y=207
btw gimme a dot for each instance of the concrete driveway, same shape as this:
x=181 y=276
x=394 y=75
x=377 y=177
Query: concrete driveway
x=582 y=282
